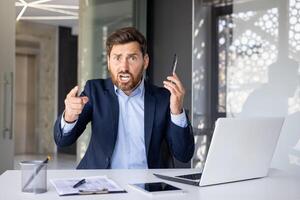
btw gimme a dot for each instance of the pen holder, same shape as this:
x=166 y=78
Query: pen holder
x=34 y=176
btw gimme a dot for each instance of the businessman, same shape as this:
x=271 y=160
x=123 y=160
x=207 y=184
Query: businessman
x=130 y=118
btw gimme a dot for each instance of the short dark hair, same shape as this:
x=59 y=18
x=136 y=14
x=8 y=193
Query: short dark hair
x=126 y=35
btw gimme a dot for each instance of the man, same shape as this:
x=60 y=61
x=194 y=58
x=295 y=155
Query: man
x=130 y=118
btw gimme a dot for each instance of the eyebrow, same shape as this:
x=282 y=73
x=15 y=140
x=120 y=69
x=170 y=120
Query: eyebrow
x=130 y=54
x=116 y=54
x=133 y=54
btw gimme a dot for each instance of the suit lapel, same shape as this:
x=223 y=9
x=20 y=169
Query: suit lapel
x=114 y=104
x=148 y=115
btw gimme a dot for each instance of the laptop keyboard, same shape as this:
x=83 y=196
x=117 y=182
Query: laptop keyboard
x=196 y=176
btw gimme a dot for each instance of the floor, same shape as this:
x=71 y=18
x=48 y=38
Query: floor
x=60 y=161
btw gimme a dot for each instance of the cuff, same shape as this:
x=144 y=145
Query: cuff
x=180 y=119
x=66 y=127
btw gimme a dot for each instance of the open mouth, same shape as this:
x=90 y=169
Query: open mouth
x=124 y=78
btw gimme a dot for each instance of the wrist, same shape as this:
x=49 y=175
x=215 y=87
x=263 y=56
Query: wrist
x=69 y=118
x=177 y=111
x=70 y=122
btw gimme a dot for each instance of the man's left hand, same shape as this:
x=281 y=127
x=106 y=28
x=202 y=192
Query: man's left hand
x=177 y=91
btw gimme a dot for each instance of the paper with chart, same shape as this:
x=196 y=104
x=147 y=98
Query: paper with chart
x=93 y=183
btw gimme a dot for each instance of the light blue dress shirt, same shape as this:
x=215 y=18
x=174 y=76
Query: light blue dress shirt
x=130 y=149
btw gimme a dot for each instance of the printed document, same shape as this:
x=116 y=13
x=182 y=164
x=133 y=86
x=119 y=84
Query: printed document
x=93 y=184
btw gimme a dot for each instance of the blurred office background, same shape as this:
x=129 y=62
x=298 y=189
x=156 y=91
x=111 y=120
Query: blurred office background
x=237 y=58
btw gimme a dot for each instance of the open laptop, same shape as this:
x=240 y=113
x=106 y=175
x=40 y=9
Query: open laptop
x=241 y=149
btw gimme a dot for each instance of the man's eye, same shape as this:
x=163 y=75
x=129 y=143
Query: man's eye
x=133 y=58
x=117 y=58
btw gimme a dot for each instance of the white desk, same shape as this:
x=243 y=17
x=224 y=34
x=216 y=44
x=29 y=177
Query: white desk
x=278 y=185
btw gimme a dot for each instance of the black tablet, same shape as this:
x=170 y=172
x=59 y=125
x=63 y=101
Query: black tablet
x=156 y=188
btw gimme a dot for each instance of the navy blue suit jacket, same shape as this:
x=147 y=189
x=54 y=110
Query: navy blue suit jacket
x=102 y=111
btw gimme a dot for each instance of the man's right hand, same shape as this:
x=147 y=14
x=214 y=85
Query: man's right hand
x=74 y=105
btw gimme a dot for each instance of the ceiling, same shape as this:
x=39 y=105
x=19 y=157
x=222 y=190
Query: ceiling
x=54 y=12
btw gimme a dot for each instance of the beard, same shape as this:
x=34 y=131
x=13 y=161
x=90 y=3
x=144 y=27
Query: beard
x=125 y=80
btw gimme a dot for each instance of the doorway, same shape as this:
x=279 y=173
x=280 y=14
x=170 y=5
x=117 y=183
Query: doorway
x=25 y=104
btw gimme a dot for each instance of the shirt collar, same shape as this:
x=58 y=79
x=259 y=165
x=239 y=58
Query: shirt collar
x=139 y=90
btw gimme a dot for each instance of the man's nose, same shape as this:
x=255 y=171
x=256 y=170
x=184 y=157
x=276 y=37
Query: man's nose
x=124 y=64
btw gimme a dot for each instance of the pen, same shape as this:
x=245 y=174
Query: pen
x=38 y=169
x=174 y=64
x=102 y=191
x=79 y=183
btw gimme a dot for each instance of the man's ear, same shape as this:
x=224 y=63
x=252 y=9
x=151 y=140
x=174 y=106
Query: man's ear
x=146 y=61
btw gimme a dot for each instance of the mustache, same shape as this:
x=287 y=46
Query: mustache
x=124 y=72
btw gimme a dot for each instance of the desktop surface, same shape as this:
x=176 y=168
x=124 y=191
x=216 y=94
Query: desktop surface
x=278 y=185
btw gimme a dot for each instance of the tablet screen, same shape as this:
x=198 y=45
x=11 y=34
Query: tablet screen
x=156 y=187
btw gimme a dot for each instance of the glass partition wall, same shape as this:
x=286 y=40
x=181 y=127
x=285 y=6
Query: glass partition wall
x=98 y=18
x=263 y=70
x=246 y=64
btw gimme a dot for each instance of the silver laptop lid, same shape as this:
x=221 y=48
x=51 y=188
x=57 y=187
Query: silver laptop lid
x=241 y=148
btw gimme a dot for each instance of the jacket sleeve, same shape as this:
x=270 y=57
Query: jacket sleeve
x=181 y=141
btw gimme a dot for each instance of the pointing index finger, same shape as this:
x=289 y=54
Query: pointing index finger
x=73 y=92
